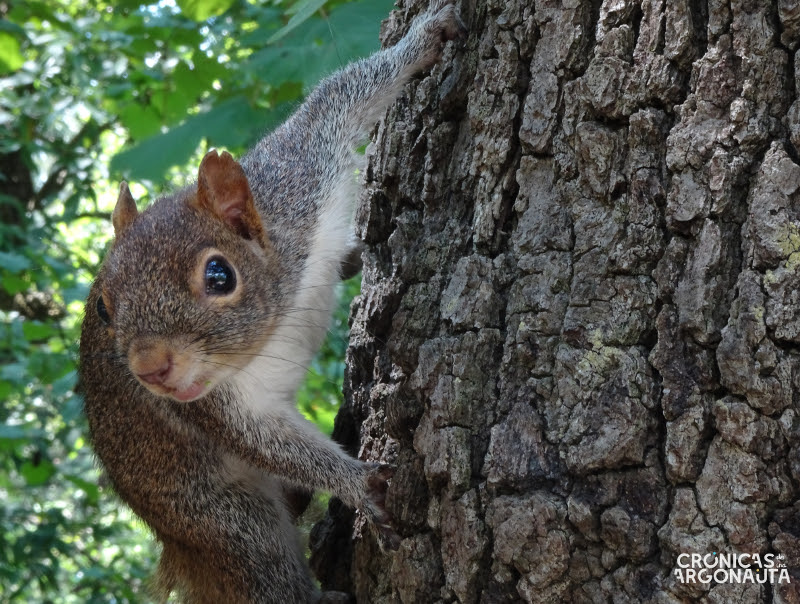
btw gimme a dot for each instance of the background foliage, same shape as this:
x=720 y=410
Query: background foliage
x=90 y=93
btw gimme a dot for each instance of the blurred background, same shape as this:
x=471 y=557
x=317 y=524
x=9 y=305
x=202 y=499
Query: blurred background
x=92 y=93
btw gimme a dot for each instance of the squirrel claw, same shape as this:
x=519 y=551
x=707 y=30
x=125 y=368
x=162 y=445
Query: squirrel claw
x=375 y=505
x=450 y=21
x=388 y=539
x=430 y=31
x=377 y=481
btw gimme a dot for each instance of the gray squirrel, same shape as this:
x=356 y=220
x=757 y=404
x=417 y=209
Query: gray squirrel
x=199 y=326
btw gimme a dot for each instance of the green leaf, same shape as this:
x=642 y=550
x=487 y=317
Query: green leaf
x=322 y=46
x=303 y=10
x=191 y=83
x=10 y=56
x=14 y=284
x=232 y=123
x=151 y=158
x=269 y=20
x=141 y=121
x=115 y=91
x=37 y=473
x=5 y=389
x=321 y=414
x=60 y=267
x=276 y=64
x=36 y=330
x=176 y=106
x=127 y=4
x=200 y=10
x=356 y=26
x=207 y=69
x=11 y=436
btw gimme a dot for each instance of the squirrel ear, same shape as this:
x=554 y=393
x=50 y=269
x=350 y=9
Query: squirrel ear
x=125 y=211
x=223 y=189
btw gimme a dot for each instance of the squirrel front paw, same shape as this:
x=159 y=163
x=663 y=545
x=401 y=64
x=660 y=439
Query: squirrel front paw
x=442 y=21
x=431 y=30
x=374 y=504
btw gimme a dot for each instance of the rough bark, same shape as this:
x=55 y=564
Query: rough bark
x=578 y=332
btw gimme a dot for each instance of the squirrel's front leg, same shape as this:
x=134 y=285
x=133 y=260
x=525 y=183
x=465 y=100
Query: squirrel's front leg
x=342 y=110
x=289 y=447
x=421 y=47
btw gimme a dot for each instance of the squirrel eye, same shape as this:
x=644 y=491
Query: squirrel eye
x=102 y=311
x=220 y=278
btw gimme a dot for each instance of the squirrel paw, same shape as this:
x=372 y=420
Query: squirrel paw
x=374 y=506
x=431 y=30
x=445 y=20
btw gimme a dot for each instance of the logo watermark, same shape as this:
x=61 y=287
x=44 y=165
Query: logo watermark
x=731 y=568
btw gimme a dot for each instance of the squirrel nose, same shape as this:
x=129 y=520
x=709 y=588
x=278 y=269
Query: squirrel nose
x=159 y=374
x=153 y=365
x=152 y=361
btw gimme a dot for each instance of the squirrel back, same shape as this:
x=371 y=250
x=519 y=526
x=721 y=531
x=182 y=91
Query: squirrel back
x=200 y=326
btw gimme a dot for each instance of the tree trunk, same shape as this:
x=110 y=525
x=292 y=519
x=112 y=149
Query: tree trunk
x=578 y=331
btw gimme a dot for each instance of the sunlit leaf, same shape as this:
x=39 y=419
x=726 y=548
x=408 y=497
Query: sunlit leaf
x=200 y=10
x=11 y=57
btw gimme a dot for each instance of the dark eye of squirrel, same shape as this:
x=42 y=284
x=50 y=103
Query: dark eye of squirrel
x=102 y=311
x=220 y=278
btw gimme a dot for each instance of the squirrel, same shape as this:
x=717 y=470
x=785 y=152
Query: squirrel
x=198 y=329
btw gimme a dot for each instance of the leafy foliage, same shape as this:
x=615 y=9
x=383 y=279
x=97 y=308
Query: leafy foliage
x=91 y=93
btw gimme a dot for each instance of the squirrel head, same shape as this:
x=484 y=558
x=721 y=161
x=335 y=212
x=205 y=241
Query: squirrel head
x=190 y=288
